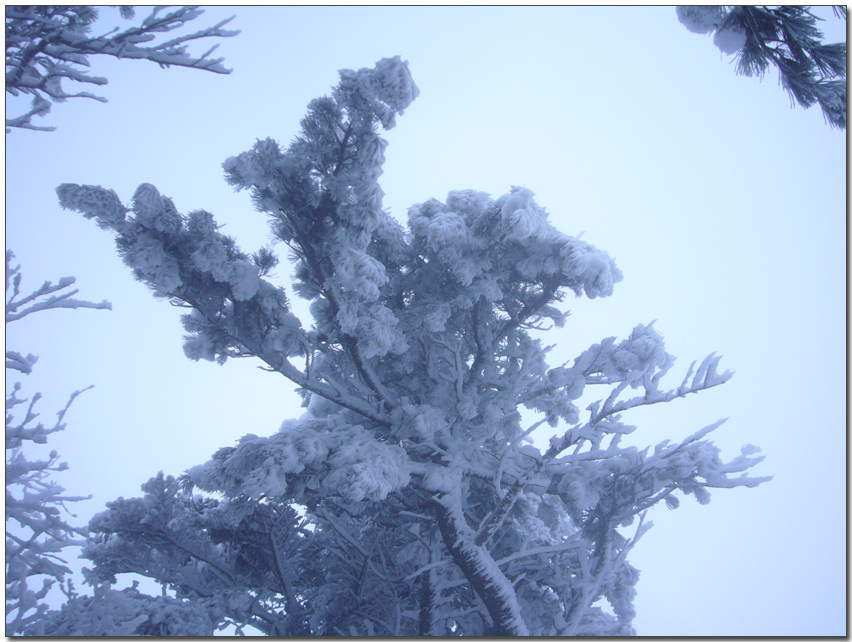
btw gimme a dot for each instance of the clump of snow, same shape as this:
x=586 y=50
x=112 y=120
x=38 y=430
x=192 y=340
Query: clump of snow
x=700 y=19
x=730 y=39
x=644 y=352
x=199 y=346
x=93 y=202
x=348 y=462
x=259 y=466
x=211 y=256
x=572 y=380
x=428 y=420
x=379 y=333
x=358 y=271
x=437 y=316
x=149 y=256
x=447 y=228
x=521 y=216
x=385 y=90
x=347 y=317
x=519 y=198
x=155 y=211
x=749 y=449
x=273 y=302
x=442 y=479
x=200 y=223
x=319 y=407
x=244 y=279
x=594 y=270
x=251 y=168
x=469 y=202
x=367 y=469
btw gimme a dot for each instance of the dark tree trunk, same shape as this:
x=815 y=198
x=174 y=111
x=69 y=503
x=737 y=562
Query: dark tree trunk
x=492 y=587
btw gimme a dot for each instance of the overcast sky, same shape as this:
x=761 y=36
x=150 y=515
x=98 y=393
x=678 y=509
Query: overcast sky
x=724 y=207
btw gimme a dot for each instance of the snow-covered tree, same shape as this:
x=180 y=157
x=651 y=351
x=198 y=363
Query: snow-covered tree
x=408 y=498
x=48 y=44
x=36 y=530
x=784 y=37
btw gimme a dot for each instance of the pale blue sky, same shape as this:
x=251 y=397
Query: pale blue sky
x=724 y=208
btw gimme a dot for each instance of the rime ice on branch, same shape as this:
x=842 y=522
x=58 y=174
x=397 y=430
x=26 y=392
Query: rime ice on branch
x=426 y=510
x=48 y=44
x=36 y=532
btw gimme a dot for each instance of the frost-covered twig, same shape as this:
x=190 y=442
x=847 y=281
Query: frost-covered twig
x=35 y=530
x=15 y=309
x=33 y=500
x=48 y=44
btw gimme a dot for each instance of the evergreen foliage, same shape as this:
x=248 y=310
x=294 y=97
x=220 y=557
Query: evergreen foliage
x=48 y=44
x=407 y=499
x=787 y=38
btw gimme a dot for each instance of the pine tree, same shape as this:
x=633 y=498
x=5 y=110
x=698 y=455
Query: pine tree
x=48 y=44
x=407 y=499
x=787 y=38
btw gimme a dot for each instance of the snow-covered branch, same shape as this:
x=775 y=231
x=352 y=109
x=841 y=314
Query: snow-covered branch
x=36 y=533
x=48 y=44
x=44 y=298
